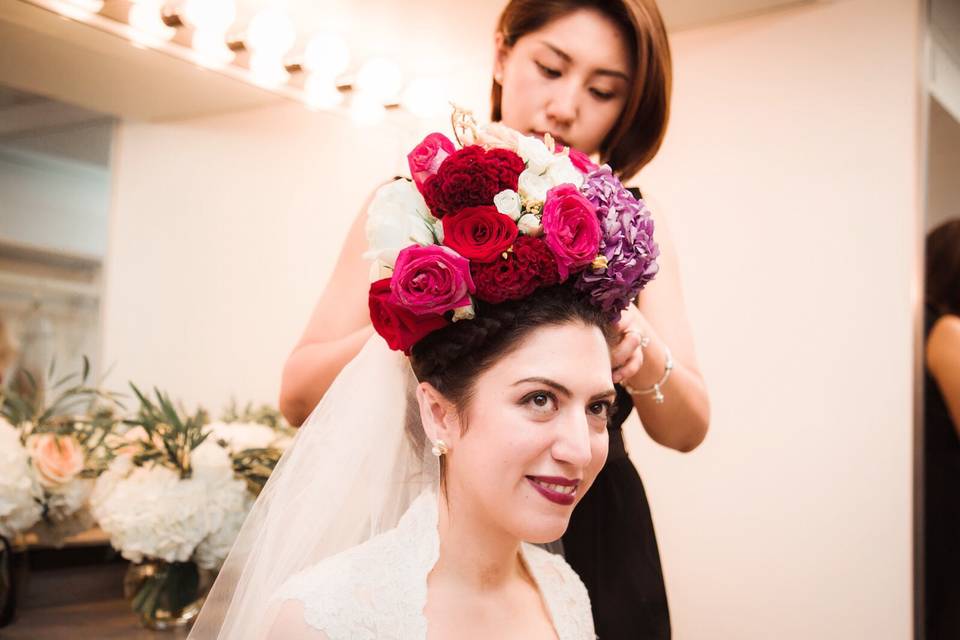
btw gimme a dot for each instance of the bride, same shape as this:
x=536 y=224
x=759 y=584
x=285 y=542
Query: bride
x=415 y=515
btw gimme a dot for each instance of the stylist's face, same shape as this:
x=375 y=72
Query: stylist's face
x=569 y=79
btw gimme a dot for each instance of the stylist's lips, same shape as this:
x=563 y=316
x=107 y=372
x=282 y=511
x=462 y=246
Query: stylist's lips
x=555 y=489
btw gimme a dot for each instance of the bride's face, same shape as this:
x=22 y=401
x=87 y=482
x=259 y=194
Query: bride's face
x=535 y=433
x=571 y=78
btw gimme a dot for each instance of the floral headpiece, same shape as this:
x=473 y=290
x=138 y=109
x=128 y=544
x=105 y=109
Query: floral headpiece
x=496 y=220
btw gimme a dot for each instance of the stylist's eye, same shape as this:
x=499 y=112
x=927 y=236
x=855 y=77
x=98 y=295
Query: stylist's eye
x=602 y=95
x=549 y=72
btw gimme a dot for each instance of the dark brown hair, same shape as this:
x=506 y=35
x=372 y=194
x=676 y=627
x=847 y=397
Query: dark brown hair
x=943 y=267
x=638 y=133
x=452 y=358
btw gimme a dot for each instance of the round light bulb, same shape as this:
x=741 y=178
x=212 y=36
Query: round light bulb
x=211 y=49
x=321 y=92
x=426 y=97
x=366 y=110
x=147 y=17
x=380 y=77
x=90 y=6
x=209 y=15
x=270 y=32
x=267 y=71
x=326 y=54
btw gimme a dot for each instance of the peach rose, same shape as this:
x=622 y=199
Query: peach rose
x=56 y=459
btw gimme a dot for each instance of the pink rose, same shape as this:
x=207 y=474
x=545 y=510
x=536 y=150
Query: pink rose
x=582 y=161
x=431 y=280
x=571 y=228
x=56 y=459
x=426 y=157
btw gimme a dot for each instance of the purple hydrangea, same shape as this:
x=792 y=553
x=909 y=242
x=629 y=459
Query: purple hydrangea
x=627 y=244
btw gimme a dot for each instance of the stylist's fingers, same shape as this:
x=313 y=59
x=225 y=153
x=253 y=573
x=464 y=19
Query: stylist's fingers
x=627 y=352
x=630 y=368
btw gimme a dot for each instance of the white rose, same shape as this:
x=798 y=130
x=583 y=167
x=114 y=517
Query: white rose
x=397 y=218
x=561 y=171
x=20 y=493
x=507 y=202
x=534 y=186
x=529 y=224
x=534 y=153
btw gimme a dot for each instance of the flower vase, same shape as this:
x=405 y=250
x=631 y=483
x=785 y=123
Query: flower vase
x=166 y=595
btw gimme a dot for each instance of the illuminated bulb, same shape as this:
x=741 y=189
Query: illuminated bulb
x=209 y=15
x=90 y=6
x=425 y=98
x=270 y=33
x=326 y=54
x=380 y=77
x=148 y=17
x=267 y=71
x=211 y=49
x=366 y=110
x=321 y=92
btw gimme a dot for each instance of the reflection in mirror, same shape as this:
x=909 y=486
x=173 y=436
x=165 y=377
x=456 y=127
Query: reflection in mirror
x=55 y=186
x=940 y=604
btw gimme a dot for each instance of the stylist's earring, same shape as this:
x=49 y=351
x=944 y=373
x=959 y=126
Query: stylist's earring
x=498 y=78
x=439 y=448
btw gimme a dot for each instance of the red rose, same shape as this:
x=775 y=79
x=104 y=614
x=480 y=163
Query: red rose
x=470 y=178
x=528 y=267
x=571 y=227
x=397 y=325
x=479 y=233
x=426 y=157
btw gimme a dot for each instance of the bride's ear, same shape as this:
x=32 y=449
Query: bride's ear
x=438 y=415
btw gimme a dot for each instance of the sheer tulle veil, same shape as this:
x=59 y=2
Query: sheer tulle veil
x=354 y=468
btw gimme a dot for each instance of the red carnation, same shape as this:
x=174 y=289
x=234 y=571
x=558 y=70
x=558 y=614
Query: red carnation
x=470 y=178
x=397 y=325
x=479 y=234
x=528 y=267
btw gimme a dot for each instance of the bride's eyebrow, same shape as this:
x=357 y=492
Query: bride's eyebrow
x=597 y=72
x=556 y=386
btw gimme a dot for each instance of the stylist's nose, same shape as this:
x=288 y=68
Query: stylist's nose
x=562 y=106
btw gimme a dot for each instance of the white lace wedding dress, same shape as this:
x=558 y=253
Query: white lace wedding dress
x=378 y=590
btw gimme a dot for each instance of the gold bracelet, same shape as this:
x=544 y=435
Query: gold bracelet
x=657 y=388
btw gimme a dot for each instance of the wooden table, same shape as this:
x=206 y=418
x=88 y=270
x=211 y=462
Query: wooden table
x=77 y=594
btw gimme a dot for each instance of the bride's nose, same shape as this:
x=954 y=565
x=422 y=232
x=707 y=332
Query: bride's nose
x=572 y=442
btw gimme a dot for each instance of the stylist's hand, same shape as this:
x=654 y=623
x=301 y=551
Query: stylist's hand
x=634 y=333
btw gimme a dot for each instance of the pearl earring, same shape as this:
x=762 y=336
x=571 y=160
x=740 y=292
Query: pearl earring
x=439 y=448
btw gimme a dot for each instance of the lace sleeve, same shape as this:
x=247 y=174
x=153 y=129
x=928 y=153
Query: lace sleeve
x=290 y=624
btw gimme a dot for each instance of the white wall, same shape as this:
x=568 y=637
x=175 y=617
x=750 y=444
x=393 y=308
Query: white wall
x=788 y=176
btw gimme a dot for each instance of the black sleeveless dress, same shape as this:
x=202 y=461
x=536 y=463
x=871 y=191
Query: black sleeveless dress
x=611 y=544
x=941 y=535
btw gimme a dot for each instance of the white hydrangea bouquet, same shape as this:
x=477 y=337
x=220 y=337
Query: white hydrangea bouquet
x=50 y=455
x=174 y=499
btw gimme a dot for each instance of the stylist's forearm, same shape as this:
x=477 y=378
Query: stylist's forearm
x=312 y=368
x=680 y=421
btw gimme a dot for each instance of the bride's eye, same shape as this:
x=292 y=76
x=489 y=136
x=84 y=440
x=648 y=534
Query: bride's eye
x=540 y=401
x=601 y=409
